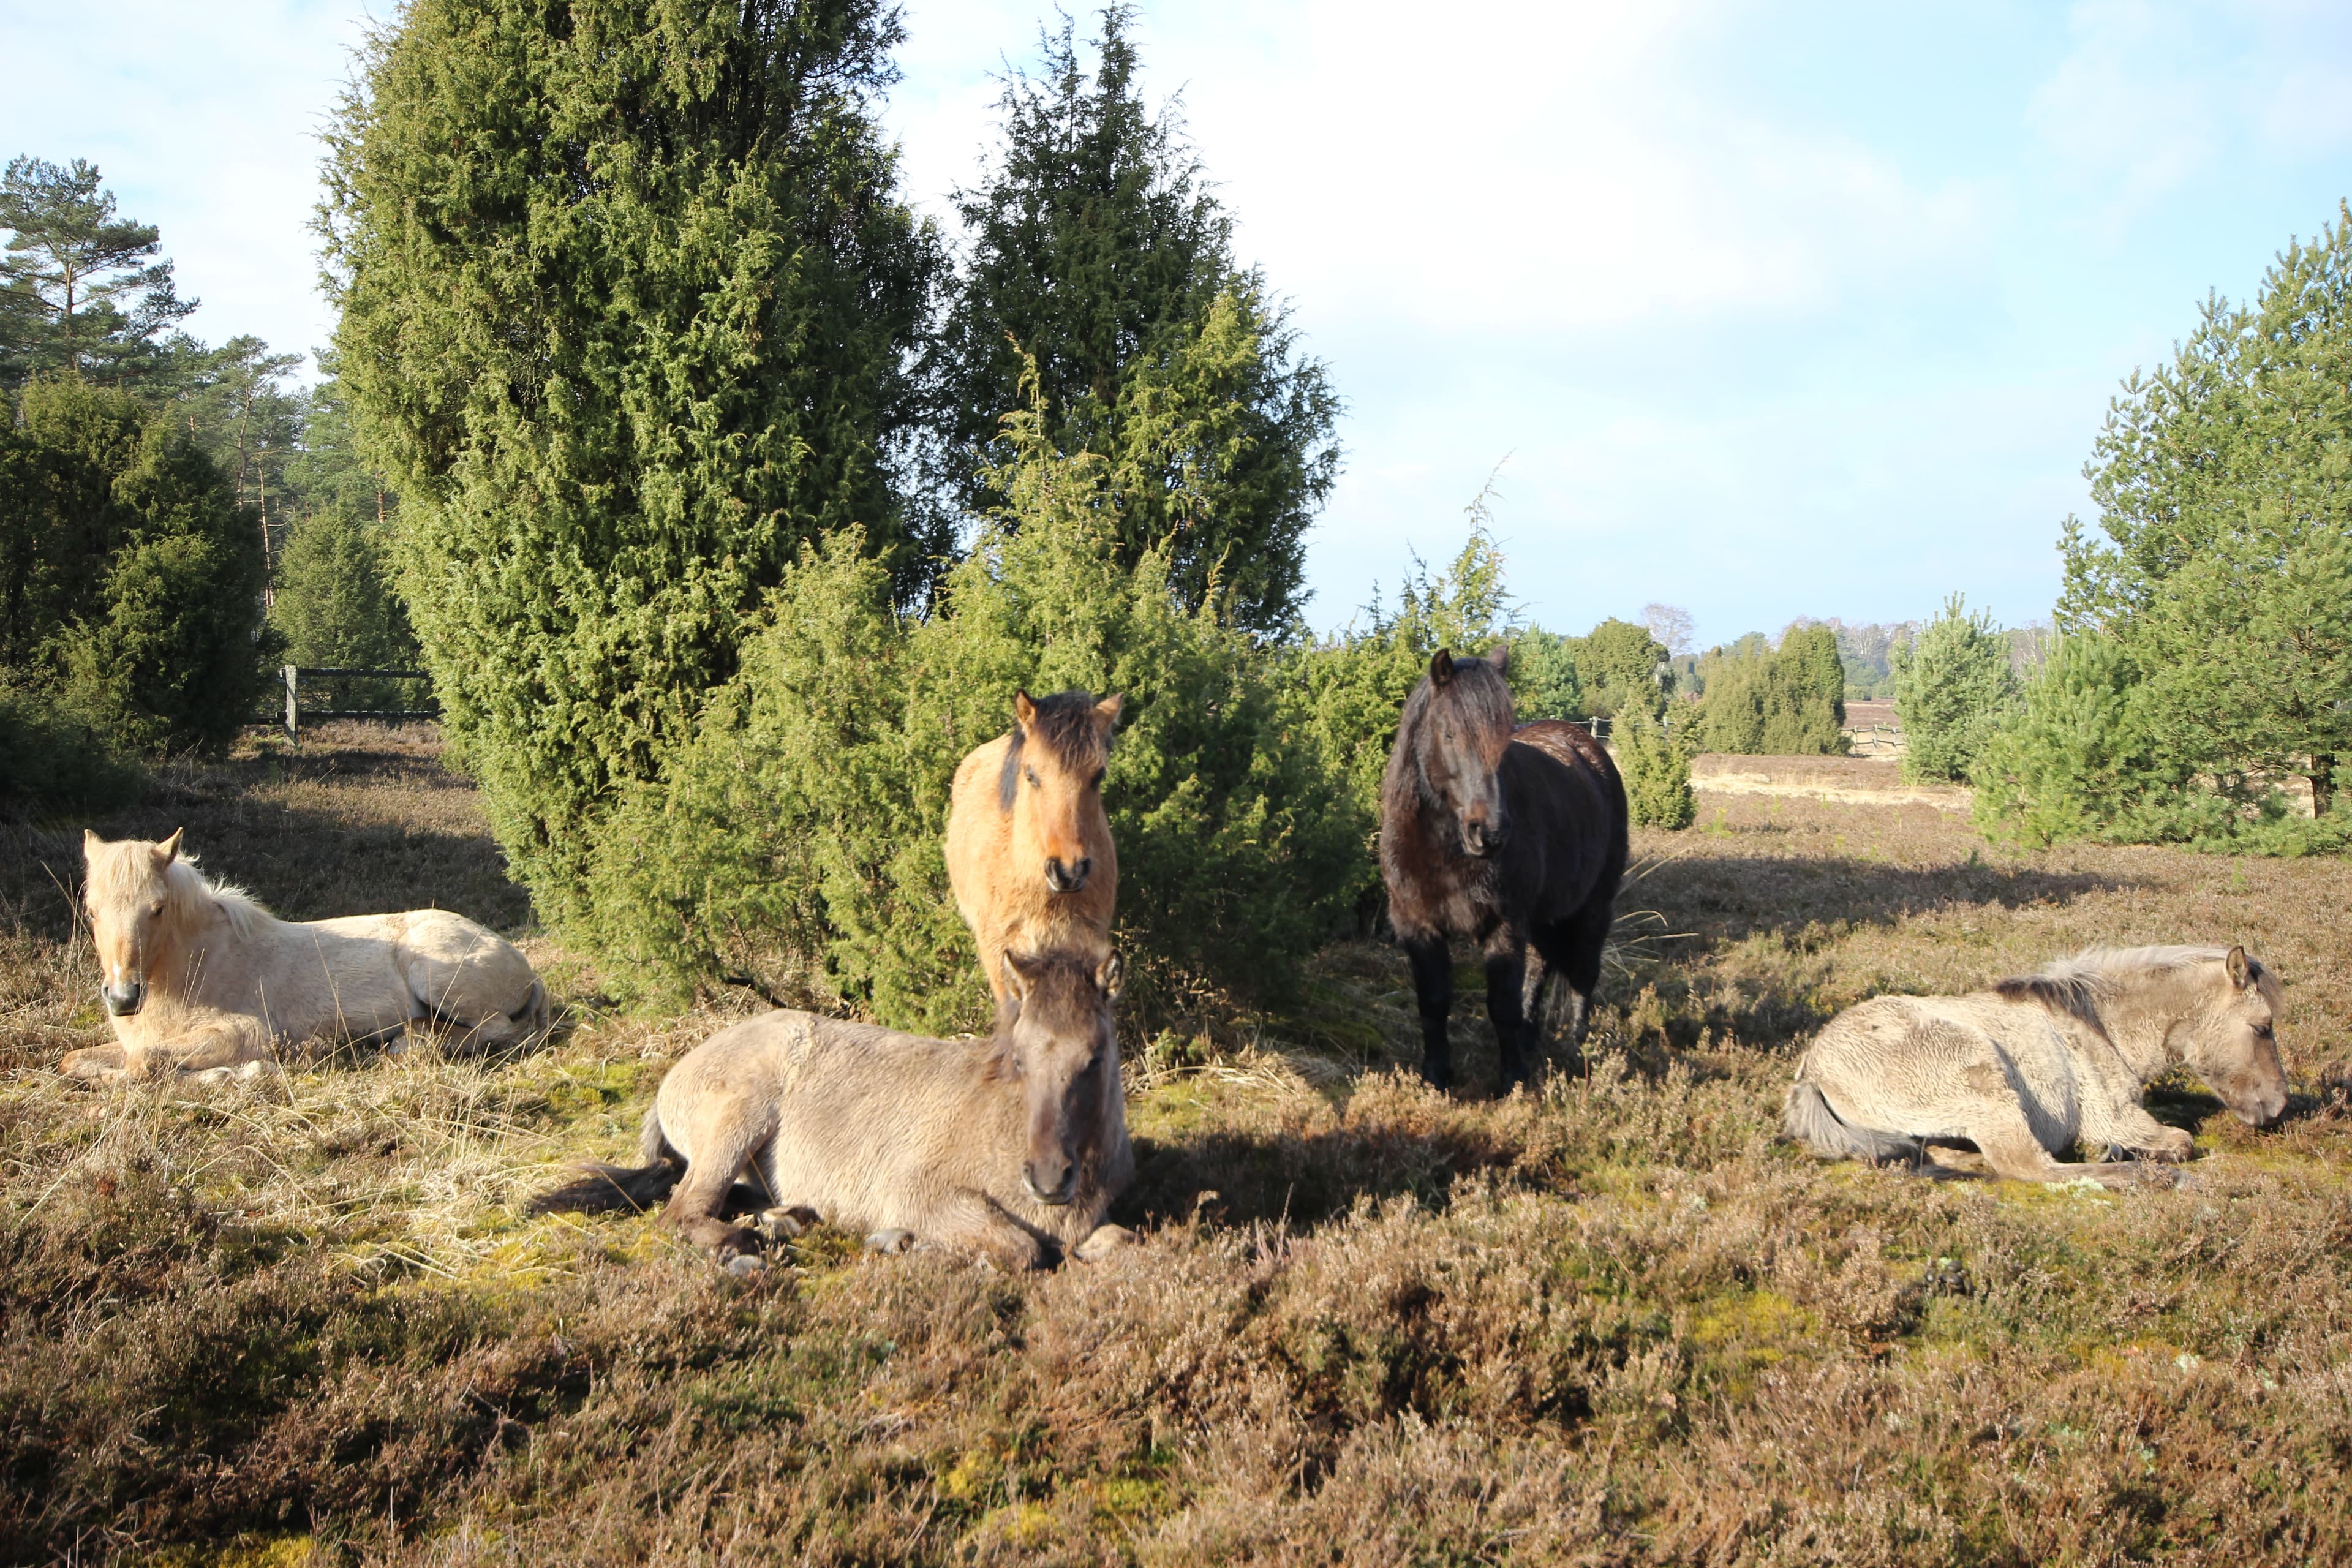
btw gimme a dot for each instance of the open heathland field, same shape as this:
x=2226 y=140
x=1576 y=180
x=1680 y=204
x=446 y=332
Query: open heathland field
x=305 y=1319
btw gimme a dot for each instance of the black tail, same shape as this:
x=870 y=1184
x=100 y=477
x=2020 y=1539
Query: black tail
x=600 y=1186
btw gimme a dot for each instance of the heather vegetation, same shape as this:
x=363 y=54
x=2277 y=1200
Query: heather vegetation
x=1616 y=1320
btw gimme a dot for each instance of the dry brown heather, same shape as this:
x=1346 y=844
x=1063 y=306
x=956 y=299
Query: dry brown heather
x=1616 y=1323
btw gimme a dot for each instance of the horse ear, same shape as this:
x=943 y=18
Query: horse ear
x=2240 y=968
x=1441 y=667
x=1112 y=976
x=1024 y=713
x=169 y=850
x=1500 y=657
x=91 y=844
x=1107 y=711
x=1019 y=972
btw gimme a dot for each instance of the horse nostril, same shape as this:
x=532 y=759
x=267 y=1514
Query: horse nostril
x=1078 y=872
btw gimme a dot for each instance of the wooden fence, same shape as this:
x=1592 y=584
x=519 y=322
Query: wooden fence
x=295 y=712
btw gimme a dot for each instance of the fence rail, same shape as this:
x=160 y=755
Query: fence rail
x=295 y=713
x=1876 y=740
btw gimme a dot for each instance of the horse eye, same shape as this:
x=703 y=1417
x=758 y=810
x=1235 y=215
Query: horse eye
x=155 y=909
x=1098 y=778
x=1030 y=774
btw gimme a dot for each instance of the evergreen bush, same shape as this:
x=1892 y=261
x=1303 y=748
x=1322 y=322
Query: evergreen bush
x=1759 y=701
x=133 y=578
x=796 y=842
x=1656 y=770
x=1951 y=686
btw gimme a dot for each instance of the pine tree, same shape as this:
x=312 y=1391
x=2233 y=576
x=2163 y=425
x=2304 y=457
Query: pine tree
x=1098 y=254
x=82 y=291
x=2224 y=487
x=1951 y=686
x=1656 y=771
x=627 y=297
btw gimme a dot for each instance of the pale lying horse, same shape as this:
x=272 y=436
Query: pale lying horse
x=2033 y=1066
x=1010 y=1152
x=1029 y=850
x=198 y=979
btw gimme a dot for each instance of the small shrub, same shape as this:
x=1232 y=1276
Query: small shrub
x=1656 y=770
x=1951 y=686
x=49 y=760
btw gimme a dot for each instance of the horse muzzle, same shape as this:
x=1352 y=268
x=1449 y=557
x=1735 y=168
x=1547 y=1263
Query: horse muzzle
x=1068 y=879
x=2262 y=1109
x=1483 y=839
x=1055 y=1196
x=123 y=1001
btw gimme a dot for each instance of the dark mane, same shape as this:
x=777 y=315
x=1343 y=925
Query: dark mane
x=1477 y=690
x=1065 y=726
x=2069 y=994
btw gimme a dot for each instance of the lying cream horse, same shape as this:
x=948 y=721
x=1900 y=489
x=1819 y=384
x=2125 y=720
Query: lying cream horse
x=2034 y=1065
x=199 y=980
x=1010 y=1151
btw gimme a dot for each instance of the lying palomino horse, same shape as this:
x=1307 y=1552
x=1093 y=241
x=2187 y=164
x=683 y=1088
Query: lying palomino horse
x=1010 y=1152
x=1511 y=838
x=199 y=980
x=2034 y=1065
x=1029 y=850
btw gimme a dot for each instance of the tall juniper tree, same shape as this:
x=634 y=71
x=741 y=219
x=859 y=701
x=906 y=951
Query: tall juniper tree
x=627 y=302
x=1098 y=252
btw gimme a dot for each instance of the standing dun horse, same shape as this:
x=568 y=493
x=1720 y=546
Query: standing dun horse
x=1029 y=850
x=2033 y=1066
x=1510 y=839
x=200 y=980
x=1010 y=1152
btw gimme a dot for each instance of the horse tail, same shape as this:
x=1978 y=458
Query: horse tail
x=1808 y=1118
x=600 y=1186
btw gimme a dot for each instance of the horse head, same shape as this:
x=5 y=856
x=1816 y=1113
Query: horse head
x=1064 y=1051
x=1053 y=784
x=127 y=890
x=1464 y=728
x=2232 y=1040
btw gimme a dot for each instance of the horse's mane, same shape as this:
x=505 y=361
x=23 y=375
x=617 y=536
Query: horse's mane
x=2078 y=985
x=1485 y=701
x=1065 y=725
x=188 y=891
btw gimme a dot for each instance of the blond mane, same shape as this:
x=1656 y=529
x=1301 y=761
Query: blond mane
x=188 y=893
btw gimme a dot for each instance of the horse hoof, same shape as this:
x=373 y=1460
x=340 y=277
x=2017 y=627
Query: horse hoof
x=784 y=1224
x=890 y=1242
x=743 y=1264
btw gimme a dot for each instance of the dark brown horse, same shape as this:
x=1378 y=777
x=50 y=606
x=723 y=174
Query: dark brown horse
x=1512 y=839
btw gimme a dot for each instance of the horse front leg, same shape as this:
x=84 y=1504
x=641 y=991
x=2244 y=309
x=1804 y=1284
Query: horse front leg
x=1433 y=990
x=1507 y=967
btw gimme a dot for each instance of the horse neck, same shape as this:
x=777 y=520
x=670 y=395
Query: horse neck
x=2144 y=1018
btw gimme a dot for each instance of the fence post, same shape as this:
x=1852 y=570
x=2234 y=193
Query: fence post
x=293 y=712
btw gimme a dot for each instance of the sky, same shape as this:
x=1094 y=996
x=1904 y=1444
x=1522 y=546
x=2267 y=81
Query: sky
x=1760 y=310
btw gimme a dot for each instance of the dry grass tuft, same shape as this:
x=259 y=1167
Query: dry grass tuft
x=1615 y=1321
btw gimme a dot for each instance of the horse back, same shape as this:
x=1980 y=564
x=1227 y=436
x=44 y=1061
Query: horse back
x=1566 y=799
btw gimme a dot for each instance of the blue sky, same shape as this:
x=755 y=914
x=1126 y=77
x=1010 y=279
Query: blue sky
x=1773 y=309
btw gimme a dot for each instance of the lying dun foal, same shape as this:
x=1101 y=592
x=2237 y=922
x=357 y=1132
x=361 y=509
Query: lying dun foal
x=199 y=980
x=2034 y=1065
x=1029 y=850
x=1011 y=1150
